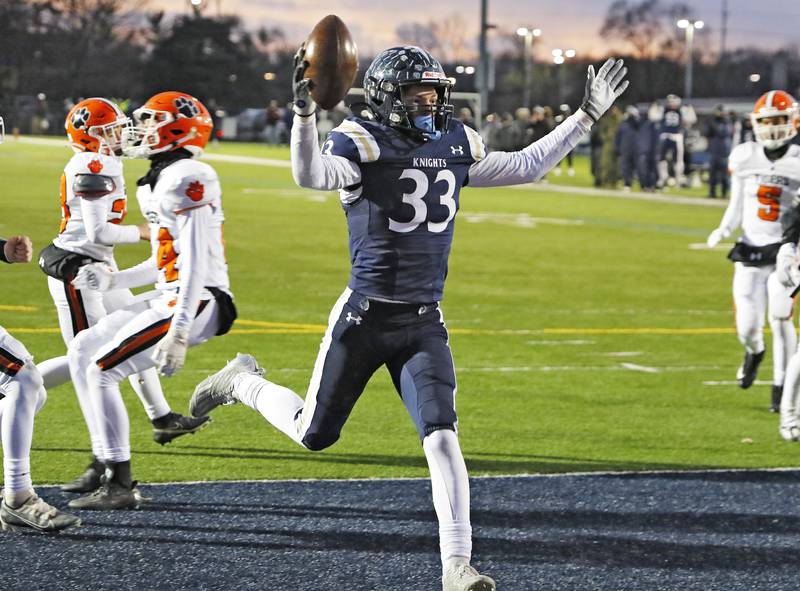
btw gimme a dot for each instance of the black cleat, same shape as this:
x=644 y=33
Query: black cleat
x=111 y=496
x=88 y=481
x=173 y=425
x=777 y=394
x=746 y=374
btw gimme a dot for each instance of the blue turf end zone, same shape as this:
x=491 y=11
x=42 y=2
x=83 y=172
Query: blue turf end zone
x=698 y=530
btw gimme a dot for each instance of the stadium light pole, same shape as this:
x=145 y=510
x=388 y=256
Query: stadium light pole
x=483 y=58
x=689 y=27
x=528 y=34
x=560 y=56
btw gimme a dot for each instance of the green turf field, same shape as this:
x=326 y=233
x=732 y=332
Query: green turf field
x=583 y=328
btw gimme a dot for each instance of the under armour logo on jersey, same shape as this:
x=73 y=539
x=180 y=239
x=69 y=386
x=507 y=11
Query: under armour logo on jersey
x=195 y=191
x=95 y=166
x=457 y=150
x=186 y=107
x=80 y=118
x=351 y=318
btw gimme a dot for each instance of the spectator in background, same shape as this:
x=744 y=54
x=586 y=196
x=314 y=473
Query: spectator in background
x=275 y=125
x=490 y=129
x=563 y=112
x=671 y=143
x=505 y=135
x=626 y=145
x=742 y=131
x=465 y=116
x=647 y=146
x=539 y=125
x=521 y=129
x=596 y=155
x=609 y=164
x=719 y=133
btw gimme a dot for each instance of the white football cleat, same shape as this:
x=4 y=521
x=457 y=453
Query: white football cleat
x=217 y=389
x=790 y=432
x=37 y=515
x=460 y=576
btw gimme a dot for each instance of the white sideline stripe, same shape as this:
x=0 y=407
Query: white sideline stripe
x=622 y=354
x=634 y=195
x=565 y=342
x=642 y=368
x=735 y=383
x=721 y=247
x=533 y=476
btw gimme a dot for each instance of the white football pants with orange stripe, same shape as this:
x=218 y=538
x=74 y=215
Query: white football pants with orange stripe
x=21 y=397
x=756 y=290
x=118 y=346
x=78 y=309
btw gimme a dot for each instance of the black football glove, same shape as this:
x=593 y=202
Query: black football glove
x=602 y=90
x=304 y=105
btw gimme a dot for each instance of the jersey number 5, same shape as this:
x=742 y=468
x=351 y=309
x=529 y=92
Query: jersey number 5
x=416 y=200
x=770 y=198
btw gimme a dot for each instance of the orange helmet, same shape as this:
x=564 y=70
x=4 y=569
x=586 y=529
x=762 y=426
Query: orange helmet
x=168 y=121
x=95 y=125
x=776 y=132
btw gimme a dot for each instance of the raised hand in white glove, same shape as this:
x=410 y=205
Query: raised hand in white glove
x=602 y=90
x=787 y=269
x=95 y=276
x=170 y=353
x=716 y=236
x=304 y=105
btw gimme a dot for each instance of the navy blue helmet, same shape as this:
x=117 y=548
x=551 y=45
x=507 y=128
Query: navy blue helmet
x=393 y=71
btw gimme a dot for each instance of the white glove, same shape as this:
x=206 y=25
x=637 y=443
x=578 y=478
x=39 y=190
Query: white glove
x=170 y=353
x=602 y=90
x=304 y=105
x=787 y=269
x=95 y=276
x=716 y=236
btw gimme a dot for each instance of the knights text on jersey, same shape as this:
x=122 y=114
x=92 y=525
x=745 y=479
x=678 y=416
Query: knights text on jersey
x=182 y=186
x=400 y=217
x=768 y=186
x=101 y=171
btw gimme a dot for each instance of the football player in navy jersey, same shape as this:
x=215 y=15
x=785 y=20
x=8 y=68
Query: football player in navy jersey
x=399 y=169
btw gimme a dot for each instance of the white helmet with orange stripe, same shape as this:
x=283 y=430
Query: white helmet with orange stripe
x=775 y=119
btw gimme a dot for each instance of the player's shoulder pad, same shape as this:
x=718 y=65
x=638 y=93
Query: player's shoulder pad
x=740 y=155
x=476 y=146
x=93 y=163
x=793 y=151
x=353 y=139
x=188 y=184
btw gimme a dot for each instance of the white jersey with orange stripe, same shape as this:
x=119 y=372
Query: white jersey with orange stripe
x=93 y=205
x=761 y=190
x=184 y=210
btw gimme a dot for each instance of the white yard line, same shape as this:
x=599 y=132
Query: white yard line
x=735 y=383
x=642 y=368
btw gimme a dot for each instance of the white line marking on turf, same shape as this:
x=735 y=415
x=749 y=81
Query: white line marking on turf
x=735 y=383
x=722 y=246
x=521 y=220
x=622 y=354
x=642 y=368
x=564 y=342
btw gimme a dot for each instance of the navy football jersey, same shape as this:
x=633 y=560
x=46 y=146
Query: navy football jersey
x=672 y=122
x=400 y=217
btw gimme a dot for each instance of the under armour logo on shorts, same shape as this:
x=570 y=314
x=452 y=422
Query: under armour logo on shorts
x=351 y=318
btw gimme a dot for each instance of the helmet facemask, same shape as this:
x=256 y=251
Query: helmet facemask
x=388 y=83
x=141 y=138
x=110 y=135
x=774 y=134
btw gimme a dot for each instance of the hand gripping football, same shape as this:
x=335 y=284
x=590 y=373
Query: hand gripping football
x=333 y=61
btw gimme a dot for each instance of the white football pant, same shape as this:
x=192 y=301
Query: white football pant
x=23 y=396
x=756 y=291
x=118 y=346
x=79 y=309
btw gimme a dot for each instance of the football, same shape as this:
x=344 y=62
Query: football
x=333 y=61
